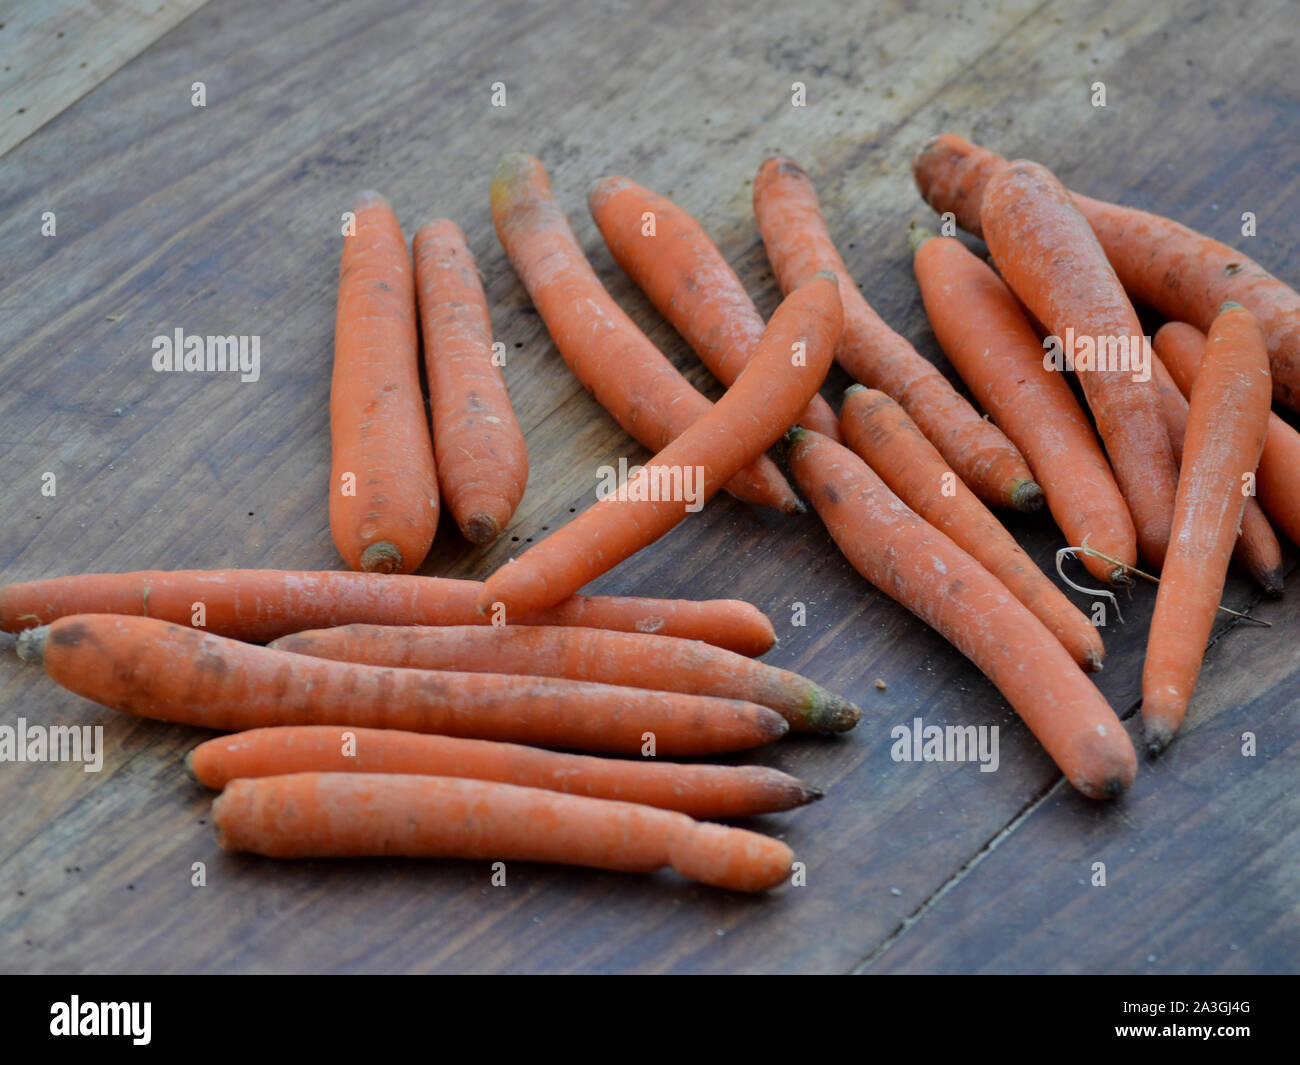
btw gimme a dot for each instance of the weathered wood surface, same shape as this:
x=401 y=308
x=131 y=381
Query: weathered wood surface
x=225 y=220
x=56 y=51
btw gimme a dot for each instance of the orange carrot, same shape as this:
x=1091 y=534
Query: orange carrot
x=888 y=441
x=703 y=791
x=383 y=488
x=798 y=245
x=259 y=605
x=629 y=659
x=1182 y=273
x=478 y=446
x=1050 y=258
x=1257 y=548
x=675 y=263
x=1218 y=453
x=614 y=360
x=785 y=372
x=170 y=673
x=981 y=327
x=1181 y=348
x=346 y=815
x=915 y=564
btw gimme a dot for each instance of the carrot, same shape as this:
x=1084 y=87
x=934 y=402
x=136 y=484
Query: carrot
x=614 y=360
x=259 y=605
x=347 y=815
x=888 y=441
x=1256 y=549
x=915 y=564
x=1049 y=257
x=1181 y=348
x=628 y=659
x=1218 y=452
x=383 y=488
x=478 y=446
x=798 y=245
x=170 y=673
x=981 y=327
x=703 y=791
x=1182 y=273
x=684 y=275
x=786 y=370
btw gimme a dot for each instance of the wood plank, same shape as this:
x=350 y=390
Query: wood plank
x=225 y=221
x=1199 y=862
x=58 y=50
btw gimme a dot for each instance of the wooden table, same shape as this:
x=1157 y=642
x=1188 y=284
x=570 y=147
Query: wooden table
x=224 y=219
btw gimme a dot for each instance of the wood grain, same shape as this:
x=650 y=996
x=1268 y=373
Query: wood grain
x=225 y=220
x=58 y=50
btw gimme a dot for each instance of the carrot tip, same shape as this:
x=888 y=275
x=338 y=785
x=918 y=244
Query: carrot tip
x=383 y=557
x=31 y=644
x=1271 y=582
x=918 y=235
x=1027 y=496
x=1114 y=788
x=1230 y=305
x=369 y=196
x=1094 y=662
x=828 y=274
x=854 y=389
x=481 y=529
x=189 y=764
x=1158 y=737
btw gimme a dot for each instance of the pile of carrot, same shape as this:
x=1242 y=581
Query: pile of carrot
x=379 y=712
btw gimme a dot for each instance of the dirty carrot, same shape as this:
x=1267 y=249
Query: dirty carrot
x=347 y=815
x=614 y=360
x=478 y=446
x=1049 y=256
x=170 y=673
x=1184 y=274
x=676 y=264
x=982 y=329
x=259 y=605
x=383 y=495
x=1256 y=549
x=787 y=369
x=915 y=564
x=798 y=245
x=703 y=791
x=1219 y=454
x=1181 y=347
x=884 y=437
x=630 y=659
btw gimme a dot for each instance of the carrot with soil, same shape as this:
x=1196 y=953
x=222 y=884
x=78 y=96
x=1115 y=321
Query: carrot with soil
x=1277 y=482
x=383 y=497
x=786 y=370
x=798 y=245
x=1219 y=453
x=170 y=673
x=627 y=659
x=1256 y=549
x=1049 y=256
x=260 y=605
x=614 y=360
x=915 y=564
x=1184 y=274
x=479 y=449
x=346 y=815
x=702 y=791
x=982 y=329
x=677 y=265
x=888 y=441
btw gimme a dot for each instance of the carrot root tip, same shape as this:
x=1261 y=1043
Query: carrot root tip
x=1272 y=583
x=30 y=645
x=1094 y=662
x=1158 y=737
x=1027 y=496
x=481 y=529
x=918 y=235
x=1114 y=788
x=189 y=764
x=383 y=557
